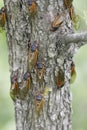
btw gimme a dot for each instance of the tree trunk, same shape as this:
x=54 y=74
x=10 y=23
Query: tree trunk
x=56 y=50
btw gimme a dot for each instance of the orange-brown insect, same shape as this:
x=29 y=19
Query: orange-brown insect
x=27 y=80
x=57 y=22
x=32 y=8
x=26 y=85
x=4 y=14
x=74 y=17
x=68 y=3
x=14 y=87
x=60 y=80
x=39 y=102
x=72 y=13
x=73 y=73
x=40 y=71
x=2 y=17
x=33 y=55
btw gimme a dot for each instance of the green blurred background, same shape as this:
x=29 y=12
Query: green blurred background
x=78 y=89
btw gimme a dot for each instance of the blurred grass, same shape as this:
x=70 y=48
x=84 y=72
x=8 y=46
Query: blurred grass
x=79 y=89
x=6 y=105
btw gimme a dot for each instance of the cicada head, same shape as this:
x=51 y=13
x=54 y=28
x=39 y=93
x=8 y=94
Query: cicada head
x=40 y=71
x=27 y=75
x=60 y=79
x=29 y=2
x=3 y=9
x=40 y=65
x=34 y=46
x=39 y=97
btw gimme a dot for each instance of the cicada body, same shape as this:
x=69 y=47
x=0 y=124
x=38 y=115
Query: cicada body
x=73 y=73
x=33 y=55
x=39 y=102
x=74 y=18
x=60 y=79
x=14 y=87
x=2 y=17
x=26 y=85
x=40 y=71
x=68 y=3
x=27 y=80
x=57 y=22
x=32 y=8
x=2 y=23
x=72 y=13
x=4 y=13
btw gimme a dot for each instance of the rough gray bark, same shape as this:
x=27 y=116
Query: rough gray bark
x=56 y=49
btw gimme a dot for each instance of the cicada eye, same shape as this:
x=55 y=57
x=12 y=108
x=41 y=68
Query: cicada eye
x=33 y=47
x=39 y=97
x=26 y=75
x=29 y=2
x=39 y=65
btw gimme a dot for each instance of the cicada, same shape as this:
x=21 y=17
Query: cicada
x=27 y=80
x=57 y=22
x=68 y=3
x=74 y=17
x=26 y=85
x=2 y=17
x=73 y=73
x=14 y=90
x=60 y=79
x=39 y=102
x=40 y=71
x=32 y=8
x=33 y=55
